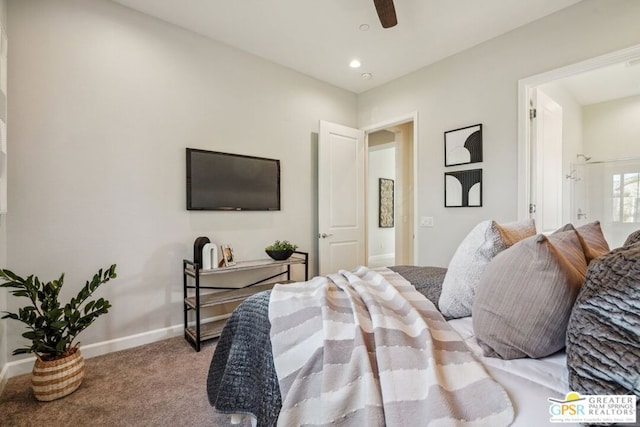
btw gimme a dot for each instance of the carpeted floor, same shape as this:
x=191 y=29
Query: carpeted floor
x=159 y=384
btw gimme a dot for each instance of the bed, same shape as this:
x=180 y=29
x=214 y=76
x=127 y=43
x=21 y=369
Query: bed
x=243 y=380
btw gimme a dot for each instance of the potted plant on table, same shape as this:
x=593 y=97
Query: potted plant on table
x=52 y=329
x=280 y=250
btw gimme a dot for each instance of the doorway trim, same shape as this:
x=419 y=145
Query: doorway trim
x=525 y=86
x=409 y=117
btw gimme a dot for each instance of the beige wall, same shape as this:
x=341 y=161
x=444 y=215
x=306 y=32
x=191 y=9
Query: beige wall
x=405 y=194
x=480 y=86
x=105 y=100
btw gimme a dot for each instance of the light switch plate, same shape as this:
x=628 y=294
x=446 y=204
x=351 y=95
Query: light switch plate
x=426 y=221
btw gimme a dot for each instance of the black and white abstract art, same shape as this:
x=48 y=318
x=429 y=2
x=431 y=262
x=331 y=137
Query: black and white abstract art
x=462 y=146
x=463 y=188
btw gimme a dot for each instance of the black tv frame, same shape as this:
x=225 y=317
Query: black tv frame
x=189 y=186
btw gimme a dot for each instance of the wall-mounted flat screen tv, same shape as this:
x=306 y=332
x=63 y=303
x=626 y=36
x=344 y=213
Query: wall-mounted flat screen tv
x=224 y=181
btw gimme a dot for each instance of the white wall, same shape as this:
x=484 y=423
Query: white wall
x=611 y=132
x=612 y=129
x=480 y=86
x=572 y=141
x=381 y=241
x=3 y=252
x=104 y=101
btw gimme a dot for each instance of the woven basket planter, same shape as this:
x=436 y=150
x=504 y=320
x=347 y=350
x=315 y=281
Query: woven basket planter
x=57 y=378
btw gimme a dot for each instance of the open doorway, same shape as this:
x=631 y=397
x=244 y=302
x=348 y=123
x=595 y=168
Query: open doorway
x=342 y=194
x=390 y=194
x=600 y=157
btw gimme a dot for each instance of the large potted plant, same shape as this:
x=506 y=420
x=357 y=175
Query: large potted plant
x=53 y=327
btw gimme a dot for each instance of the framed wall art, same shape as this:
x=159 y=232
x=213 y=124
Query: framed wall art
x=463 y=189
x=463 y=146
x=386 y=200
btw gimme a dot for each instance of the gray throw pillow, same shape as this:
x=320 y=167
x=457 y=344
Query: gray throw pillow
x=525 y=296
x=478 y=248
x=603 y=335
x=632 y=238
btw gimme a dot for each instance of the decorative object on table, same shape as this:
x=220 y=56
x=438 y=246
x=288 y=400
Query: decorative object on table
x=463 y=146
x=280 y=250
x=385 y=203
x=227 y=255
x=52 y=329
x=463 y=188
x=210 y=256
x=198 y=246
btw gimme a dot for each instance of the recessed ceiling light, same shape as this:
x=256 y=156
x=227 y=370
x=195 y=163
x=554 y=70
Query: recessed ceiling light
x=366 y=76
x=354 y=63
x=364 y=27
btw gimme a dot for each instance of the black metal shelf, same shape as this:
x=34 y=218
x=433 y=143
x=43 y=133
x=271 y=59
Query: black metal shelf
x=194 y=300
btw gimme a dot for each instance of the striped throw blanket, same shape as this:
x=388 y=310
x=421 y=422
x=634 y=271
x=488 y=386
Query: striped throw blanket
x=364 y=348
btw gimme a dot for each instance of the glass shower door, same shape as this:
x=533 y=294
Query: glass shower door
x=609 y=192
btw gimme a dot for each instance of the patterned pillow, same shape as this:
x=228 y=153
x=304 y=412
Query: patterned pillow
x=603 y=336
x=481 y=245
x=525 y=296
x=633 y=238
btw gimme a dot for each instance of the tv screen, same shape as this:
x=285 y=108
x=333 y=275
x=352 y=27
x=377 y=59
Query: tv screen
x=223 y=181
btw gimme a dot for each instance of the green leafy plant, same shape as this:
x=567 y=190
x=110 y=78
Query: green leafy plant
x=52 y=327
x=284 y=245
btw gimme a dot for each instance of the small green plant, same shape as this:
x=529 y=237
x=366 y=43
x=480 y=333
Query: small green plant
x=284 y=245
x=51 y=327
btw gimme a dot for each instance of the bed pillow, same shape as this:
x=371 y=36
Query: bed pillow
x=603 y=336
x=591 y=238
x=633 y=238
x=478 y=248
x=594 y=239
x=525 y=296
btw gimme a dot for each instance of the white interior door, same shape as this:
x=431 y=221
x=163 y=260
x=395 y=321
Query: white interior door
x=546 y=180
x=341 y=198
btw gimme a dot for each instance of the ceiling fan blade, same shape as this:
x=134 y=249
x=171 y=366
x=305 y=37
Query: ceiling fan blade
x=386 y=13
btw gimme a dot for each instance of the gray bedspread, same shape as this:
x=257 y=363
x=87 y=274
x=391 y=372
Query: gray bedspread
x=242 y=377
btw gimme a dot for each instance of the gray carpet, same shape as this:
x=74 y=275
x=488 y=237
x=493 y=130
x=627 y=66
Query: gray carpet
x=160 y=384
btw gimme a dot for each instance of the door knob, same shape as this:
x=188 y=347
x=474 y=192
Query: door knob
x=325 y=235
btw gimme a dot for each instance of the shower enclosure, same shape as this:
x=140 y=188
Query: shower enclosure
x=608 y=191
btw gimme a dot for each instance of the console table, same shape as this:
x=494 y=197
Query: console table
x=195 y=300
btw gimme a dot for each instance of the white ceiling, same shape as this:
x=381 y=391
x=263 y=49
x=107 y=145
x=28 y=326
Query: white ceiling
x=320 y=37
x=604 y=84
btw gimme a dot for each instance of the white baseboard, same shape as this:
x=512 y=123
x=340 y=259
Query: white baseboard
x=4 y=377
x=384 y=260
x=24 y=366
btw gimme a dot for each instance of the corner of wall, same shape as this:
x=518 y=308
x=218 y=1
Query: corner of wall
x=3 y=258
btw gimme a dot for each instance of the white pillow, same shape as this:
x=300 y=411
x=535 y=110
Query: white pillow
x=481 y=245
